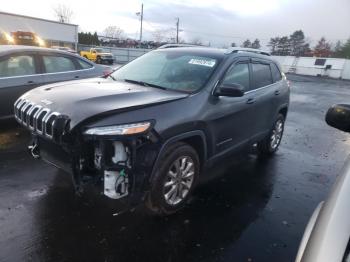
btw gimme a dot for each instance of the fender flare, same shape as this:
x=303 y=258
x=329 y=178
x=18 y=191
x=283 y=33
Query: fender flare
x=176 y=138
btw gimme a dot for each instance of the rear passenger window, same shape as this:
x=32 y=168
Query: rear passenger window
x=261 y=75
x=238 y=74
x=83 y=64
x=17 y=66
x=276 y=73
x=54 y=64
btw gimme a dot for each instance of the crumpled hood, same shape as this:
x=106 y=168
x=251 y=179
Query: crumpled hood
x=83 y=99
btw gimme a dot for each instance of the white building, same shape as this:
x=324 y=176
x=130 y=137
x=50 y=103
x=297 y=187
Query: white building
x=316 y=66
x=52 y=32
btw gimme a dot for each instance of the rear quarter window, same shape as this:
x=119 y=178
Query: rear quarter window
x=261 y=75
x=276 y=73
x=83 y=64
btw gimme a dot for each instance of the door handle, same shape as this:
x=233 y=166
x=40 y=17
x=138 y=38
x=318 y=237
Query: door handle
x=277 y=92
x=30 y=82
x=251 y=100
x=76 y=77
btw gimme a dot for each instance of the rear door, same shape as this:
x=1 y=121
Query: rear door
x=262 y=94
x=19 y=73
x=59 y=67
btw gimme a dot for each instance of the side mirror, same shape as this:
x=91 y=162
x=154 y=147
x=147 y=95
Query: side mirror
x=232 y=90
x=338 y=116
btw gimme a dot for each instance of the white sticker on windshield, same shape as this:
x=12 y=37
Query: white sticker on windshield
x=209 y=63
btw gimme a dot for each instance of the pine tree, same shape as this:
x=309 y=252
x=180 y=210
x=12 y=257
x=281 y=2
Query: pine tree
x=256 y=44
x=247 y=44
x=273 y=44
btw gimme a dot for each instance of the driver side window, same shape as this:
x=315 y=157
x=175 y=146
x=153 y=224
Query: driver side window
x=238 y=74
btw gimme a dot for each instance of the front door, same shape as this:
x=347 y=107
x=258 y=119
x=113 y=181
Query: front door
x=231 y=117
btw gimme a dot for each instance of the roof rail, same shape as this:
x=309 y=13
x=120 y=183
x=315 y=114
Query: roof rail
x=251 y=50
x=177 y=45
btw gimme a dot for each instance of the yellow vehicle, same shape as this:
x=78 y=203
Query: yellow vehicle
x=97 y=55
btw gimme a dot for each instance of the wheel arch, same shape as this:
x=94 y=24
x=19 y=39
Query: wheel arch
x=283 y=110
x=196 y=139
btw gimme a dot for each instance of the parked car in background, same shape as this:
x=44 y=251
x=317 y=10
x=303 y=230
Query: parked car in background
x=25 y=67
x=146 y=133
x=98 y=56
x=64 y=48
x=327 y=235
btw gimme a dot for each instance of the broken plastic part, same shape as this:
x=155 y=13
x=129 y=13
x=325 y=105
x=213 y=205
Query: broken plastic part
x=119 y=152
x=116 y=184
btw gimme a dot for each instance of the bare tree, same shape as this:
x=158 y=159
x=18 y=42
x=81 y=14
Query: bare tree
x=113 y=32
x=323 y=48
x=63 y=13
x=160 y=35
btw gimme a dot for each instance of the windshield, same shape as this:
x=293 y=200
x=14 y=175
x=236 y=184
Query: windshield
x=169 y=69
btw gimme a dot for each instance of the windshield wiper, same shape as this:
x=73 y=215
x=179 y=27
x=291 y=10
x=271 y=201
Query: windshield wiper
x=111 y=77
x=145 y=84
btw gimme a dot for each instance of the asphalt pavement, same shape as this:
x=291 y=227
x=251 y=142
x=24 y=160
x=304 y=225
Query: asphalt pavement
x=253 y=210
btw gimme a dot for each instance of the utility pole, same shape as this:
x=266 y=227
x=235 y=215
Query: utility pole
x=141 y=24
x=177 y=29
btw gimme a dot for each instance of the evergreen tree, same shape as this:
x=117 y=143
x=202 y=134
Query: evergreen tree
x=256 y=44
x=273 y=44
x=344 y=51
x=298 y=46
x=247 y=44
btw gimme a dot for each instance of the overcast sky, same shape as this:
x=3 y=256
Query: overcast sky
x=217 y=22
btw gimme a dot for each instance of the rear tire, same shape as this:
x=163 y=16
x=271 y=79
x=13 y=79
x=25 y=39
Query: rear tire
x=269 y=145
x=174 y=179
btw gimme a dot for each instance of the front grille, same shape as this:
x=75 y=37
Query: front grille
x=37 y=118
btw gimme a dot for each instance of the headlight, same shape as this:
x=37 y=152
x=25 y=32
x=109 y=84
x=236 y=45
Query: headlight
x=128 y=129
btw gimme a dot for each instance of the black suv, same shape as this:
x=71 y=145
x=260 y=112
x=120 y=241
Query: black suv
x=147 y=131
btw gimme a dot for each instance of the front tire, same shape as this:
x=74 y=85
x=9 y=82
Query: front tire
x=269 y=145
x=98 y=60
x=174 y=179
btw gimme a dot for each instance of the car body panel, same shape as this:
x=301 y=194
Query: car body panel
x=331 y=230
x=97 y=95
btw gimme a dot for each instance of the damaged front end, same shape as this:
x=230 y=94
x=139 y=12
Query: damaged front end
x=118 y=157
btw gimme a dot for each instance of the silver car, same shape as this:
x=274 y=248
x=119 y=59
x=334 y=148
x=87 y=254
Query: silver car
x=326 y=237
x=25 y=67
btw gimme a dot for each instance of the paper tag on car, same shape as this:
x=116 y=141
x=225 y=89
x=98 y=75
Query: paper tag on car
x=203 y=62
